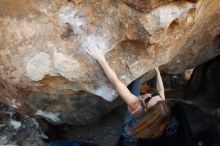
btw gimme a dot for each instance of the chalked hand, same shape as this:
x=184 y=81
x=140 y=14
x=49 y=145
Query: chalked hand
x=94 y=51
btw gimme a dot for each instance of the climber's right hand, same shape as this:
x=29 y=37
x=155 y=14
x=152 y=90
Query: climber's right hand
x=156 y=69
x=95 y=52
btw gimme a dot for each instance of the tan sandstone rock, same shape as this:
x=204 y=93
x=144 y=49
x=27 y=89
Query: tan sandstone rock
x=42 y=49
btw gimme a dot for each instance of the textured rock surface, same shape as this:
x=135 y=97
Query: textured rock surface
x=203 y=88
x=18 y=130
x=42 y=49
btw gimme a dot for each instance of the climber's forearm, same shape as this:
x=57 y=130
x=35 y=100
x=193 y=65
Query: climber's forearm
x=159 y=84
x=123 y=91
x=108 y=71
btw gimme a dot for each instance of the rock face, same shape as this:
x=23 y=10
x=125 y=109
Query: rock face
x=42 y=50
x=204 y=85
x=19 y=130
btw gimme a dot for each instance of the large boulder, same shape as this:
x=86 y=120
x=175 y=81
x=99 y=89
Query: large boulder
x=42 y=50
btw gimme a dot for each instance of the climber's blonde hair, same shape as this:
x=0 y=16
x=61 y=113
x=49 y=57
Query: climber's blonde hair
x=154 y=121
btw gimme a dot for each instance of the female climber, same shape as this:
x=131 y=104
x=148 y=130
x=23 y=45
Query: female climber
x=148 y=115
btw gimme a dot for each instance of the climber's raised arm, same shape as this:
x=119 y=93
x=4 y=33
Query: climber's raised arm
x=159 y=84
x=130 y=99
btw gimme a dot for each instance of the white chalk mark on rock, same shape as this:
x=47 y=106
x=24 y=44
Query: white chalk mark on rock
x=78 y=23
x=97 y=41
x=54 y=117
x=75 y=18
x=15 y=124
x=106 y=93
x=15 y=104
